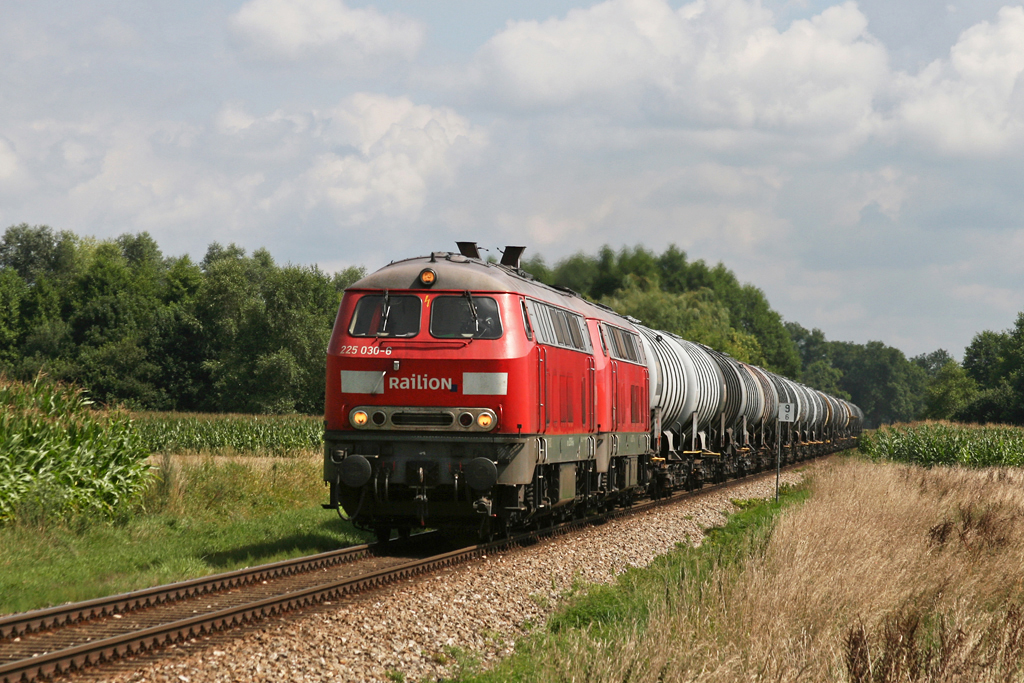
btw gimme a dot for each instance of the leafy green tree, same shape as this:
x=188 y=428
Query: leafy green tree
x=673 y=271
x=344 y=279
x=994 y=404
x=538 y=268
x=811 y=345
x=753 y=315
x=824 y=377
x=880 y=379
x=37 y=266
x=932 y=363
x=696 y=316
x=270 y=327
x=12 y=290
x=578 y=272
x=950 y=391
x=995 y=361
x=987 y=358
x=32 y=251
x=111 y=310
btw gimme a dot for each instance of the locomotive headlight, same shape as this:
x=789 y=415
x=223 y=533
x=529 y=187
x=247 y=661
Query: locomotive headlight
x=485 y=420
x=428 y=277
x=359 y=418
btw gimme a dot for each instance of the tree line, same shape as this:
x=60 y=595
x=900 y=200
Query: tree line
x=239 y=332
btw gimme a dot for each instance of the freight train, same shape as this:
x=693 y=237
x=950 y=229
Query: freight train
x=463 y=393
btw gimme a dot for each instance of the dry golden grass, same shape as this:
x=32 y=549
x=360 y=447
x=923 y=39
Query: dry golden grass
x=888 y=573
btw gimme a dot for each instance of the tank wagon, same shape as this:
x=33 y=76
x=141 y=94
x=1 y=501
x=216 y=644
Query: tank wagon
x=462 y=393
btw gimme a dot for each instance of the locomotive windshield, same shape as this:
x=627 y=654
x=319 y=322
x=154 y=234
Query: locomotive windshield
x=386 y=315
x=465 y=317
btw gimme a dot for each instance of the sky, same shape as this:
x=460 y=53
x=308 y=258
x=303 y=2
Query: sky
x=860 y=162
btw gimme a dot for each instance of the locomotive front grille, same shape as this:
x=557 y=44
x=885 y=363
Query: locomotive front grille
x=438 y=419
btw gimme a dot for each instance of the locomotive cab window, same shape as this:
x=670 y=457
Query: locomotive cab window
x=386 y=315
x=465 y=317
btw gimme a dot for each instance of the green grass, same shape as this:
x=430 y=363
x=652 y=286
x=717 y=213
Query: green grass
x=198 y=516
x=229 y=434
x=40 y=568
x=943 y=443
x=607 y=613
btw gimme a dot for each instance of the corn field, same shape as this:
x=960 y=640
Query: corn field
x=229 y=434
x=943 y=443
x=59 y=456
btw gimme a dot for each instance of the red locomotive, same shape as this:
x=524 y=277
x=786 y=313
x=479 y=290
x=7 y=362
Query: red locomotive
x=464 y=393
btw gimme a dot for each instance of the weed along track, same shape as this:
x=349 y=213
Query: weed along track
x=60 y=640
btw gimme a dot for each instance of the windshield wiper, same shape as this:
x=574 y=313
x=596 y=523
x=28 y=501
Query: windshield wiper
x=384 y=315
x=472 y=310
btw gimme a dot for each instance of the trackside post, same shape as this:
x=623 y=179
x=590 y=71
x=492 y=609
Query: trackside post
x=786 y=413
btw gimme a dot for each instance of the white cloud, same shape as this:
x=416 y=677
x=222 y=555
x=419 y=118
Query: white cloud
x=299 y=30
x=972 y=102
x=232 y=118
x=710 y=64
x=886 y=188
x=147 y=177
x=10 y=167
x=724 y=73
x=591 y=52
x=399 y=150
x=111 y=32
x=367 y=162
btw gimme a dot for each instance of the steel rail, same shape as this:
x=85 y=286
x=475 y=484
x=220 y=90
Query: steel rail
x=48 y=664
x=23 y=623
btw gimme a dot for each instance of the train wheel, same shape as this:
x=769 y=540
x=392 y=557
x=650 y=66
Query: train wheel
x=492 y=528
x=383 y=533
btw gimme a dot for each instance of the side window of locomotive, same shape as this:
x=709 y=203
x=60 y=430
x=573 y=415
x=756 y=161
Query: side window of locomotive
x=575 y=335
x=377 y=315
x=463 y=317
x=558 y=327
x=613 y=341
x=624 y=345
x=561 y=327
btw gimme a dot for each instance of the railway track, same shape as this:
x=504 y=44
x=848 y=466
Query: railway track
x=45 y=643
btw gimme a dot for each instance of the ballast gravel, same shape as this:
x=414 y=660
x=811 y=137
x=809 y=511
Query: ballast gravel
x=408 y=631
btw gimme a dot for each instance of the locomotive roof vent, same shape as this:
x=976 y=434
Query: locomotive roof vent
x=511 y=256
x=469 y=250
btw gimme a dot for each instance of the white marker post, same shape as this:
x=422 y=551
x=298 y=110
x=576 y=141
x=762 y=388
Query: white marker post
x=787 y=413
